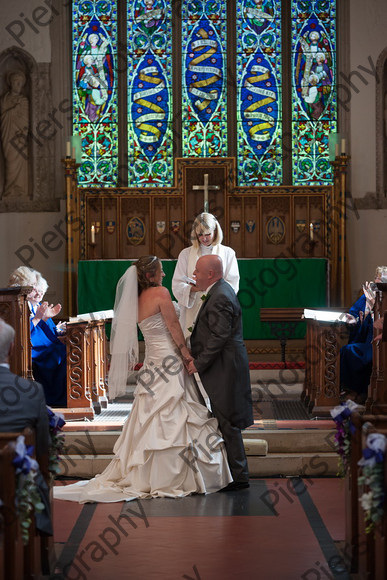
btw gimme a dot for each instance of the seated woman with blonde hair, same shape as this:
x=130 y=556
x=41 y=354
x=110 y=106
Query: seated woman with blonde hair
x=48 y=351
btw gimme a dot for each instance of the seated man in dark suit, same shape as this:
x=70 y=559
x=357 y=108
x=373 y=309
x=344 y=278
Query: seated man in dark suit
x=23 y=405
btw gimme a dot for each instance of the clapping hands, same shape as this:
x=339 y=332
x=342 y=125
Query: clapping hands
x=370 y=296
x=46 y=311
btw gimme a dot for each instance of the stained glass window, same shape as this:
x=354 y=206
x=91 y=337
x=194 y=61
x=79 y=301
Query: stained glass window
x=95 y=90
x=204 y=66
x=314 y=105
x=259 y=118
x=150 y=140
x=204 y=78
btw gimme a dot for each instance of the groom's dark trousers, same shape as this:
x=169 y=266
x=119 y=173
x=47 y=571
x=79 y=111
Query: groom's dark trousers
x=220 y=358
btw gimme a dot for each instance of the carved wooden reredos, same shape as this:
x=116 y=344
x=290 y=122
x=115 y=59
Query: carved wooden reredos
x=258 y=222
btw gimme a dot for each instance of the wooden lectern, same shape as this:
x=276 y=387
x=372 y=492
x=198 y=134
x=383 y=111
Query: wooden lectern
x=322 y=365
x=86 y=368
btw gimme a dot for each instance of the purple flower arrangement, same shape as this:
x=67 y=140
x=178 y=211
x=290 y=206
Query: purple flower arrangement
x=344 y=430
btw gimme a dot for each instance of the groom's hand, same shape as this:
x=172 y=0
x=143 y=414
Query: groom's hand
x=191 y=367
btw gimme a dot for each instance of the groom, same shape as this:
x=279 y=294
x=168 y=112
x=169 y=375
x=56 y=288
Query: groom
x=220 y=358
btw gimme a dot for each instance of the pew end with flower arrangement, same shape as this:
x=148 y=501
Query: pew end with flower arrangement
x=372 y=508
x=351 y=444
x=27 y=552
x=21 y=500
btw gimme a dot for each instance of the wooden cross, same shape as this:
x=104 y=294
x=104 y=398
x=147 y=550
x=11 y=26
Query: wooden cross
x=205 y=187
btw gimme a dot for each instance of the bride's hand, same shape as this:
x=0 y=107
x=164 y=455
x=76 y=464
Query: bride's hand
x=191 y=367
x=186 y=356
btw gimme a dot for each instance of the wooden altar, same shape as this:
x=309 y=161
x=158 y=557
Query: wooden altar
x=258 y=222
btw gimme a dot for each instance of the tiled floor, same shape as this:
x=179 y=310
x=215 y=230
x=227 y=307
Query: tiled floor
x=278 y=529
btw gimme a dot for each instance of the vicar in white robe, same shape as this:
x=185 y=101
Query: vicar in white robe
x=206 y=238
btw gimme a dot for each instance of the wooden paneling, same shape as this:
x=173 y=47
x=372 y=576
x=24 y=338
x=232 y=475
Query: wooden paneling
x=258 y=222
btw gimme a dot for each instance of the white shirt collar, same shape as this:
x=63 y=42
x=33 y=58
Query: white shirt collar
x=209 y=287
x=5 y=365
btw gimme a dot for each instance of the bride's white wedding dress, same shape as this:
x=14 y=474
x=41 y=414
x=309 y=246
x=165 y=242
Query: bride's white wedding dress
x=170 y=445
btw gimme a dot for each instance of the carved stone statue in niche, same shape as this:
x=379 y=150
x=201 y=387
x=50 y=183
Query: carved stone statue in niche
x=15 y=121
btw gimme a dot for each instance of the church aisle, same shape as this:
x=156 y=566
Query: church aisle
x=278 y=529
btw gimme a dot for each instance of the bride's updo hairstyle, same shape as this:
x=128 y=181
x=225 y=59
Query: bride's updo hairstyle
x=147 y=267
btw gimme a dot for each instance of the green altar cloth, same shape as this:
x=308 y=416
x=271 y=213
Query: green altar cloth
x=264 y=283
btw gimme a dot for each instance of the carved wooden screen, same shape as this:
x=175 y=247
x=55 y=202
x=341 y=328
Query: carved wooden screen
x=265 y=222
x=258 y=222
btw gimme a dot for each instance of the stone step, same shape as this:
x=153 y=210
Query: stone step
x=291 y=452
x=80 y=443
x=265 y=383
x=294 y=441
x=278 y=376
x=291 y=464
x=271 y=465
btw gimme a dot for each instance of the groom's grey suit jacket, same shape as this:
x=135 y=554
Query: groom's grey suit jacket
x=220 y=355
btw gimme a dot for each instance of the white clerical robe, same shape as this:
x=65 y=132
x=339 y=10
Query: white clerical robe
x=190 y=302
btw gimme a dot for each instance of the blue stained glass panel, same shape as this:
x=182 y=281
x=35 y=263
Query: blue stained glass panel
x=259 y=92
x=150 y=136
x=204 y=65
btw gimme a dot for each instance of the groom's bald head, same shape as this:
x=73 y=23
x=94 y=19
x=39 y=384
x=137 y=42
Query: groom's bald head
x=208 y=270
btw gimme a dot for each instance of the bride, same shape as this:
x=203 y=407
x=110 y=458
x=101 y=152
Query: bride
x=170 y=445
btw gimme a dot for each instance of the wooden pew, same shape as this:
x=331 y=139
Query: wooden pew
x=31 y=553
x=377 y=391
x=13 y=545
x=15 y=311
x=373 y=556
x=359 y=545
